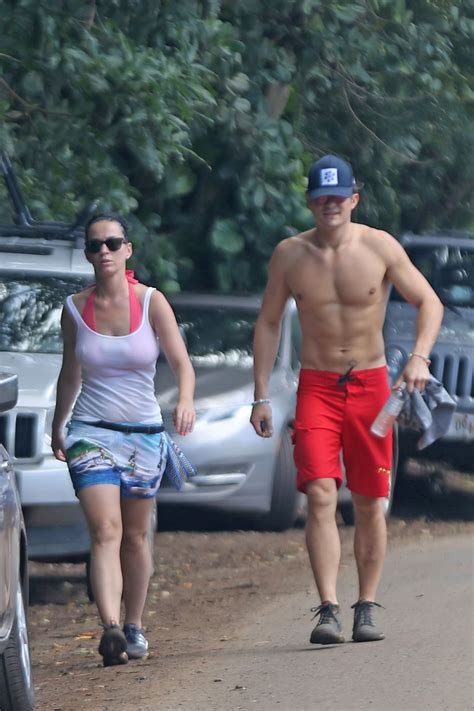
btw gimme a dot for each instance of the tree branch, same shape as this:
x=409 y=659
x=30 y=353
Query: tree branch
x=32 y=107
x=374 y=135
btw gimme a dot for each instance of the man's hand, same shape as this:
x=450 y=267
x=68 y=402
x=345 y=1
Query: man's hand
x=416 y=374
x=261 y=419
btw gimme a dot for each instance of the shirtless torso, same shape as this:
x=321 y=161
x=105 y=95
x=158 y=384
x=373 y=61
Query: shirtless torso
x=341 y=295
x=339 y=274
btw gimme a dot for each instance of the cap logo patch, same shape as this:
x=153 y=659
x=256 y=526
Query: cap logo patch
x=329 y=176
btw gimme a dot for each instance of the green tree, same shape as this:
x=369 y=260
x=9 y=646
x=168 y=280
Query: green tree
x=200 y=119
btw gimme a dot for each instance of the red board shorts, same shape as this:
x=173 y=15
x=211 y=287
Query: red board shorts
x=332 y=417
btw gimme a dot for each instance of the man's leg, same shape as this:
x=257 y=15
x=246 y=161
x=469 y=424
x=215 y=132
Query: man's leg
x=370 y=543
x=322 y=536
x=324 y=549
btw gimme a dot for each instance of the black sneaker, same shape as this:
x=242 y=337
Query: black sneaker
x=113 y=646
x=364 y=629
x=137 y=645
x=329 y=628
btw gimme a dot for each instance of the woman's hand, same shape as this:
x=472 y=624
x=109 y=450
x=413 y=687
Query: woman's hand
x=184 y=417
x=58 y=446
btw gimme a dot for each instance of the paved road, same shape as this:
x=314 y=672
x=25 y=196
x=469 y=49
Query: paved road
x=425 y=664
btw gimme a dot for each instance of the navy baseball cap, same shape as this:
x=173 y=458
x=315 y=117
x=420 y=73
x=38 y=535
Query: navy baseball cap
x=330 y=175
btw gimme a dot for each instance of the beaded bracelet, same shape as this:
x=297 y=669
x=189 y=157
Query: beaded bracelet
x=264 y=401
x=418 y=355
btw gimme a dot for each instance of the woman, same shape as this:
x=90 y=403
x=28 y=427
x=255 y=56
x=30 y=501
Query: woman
x=114 y=448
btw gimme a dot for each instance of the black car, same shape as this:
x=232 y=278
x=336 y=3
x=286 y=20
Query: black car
x=447 y=261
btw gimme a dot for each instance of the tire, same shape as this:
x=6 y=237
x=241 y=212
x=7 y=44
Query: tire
x=16 y=684
x=347 y=510
x=286 y=500
x=153 y=525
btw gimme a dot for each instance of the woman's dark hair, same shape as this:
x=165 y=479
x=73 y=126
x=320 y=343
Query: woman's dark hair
x=110 y=217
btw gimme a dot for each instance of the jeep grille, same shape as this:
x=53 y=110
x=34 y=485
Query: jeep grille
x=18 y=432
x=455 y=372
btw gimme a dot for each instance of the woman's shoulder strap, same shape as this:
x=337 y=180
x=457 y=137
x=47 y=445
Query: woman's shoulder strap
x=147 y=299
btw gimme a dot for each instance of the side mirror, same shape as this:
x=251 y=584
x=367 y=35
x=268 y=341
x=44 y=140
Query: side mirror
x=8 y=391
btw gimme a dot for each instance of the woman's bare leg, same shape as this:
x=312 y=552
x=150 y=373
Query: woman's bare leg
x=135 y=556
x=101 y=506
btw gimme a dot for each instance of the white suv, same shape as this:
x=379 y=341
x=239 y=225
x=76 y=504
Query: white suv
x=40 y=264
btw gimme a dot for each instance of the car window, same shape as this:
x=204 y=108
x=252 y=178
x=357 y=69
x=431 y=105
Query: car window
x=30 y=311
x=217 y=335
x=450 y=271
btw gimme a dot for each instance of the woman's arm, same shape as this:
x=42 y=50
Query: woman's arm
x=166 y=328
x=69 y=382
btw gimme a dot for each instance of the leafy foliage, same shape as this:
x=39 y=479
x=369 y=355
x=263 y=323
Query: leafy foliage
x=199 y=119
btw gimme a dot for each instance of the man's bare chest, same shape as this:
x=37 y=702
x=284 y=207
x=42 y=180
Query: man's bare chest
x=352 y=280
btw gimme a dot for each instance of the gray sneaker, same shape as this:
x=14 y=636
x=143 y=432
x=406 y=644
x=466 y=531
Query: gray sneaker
x=329 y=628
x=364 y=629
x=137 y=645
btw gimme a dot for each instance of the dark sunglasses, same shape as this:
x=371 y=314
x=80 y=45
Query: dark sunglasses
x=113 y=244
x=326 y=198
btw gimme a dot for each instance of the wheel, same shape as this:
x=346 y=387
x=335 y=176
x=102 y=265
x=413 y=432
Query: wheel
x=153 y=525
x=16 y=684
x=347 y=510
x=286 y=499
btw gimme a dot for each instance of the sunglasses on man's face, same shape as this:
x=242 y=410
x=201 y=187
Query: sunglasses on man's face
x=113 y=244
x=326 y=198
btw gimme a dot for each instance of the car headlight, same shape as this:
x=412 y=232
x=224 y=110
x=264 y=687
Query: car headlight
x=396 y=358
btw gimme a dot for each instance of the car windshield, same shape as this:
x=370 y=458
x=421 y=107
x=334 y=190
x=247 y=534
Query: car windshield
x=450 y=271
x=217 y=335
x=30 y=310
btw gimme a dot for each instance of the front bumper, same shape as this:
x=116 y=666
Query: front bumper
x=239 y=485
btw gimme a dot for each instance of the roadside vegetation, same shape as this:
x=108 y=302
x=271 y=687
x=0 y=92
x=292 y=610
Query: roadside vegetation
x=199 y=119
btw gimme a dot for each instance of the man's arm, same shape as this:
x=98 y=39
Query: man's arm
x=415 y=289
x=267 y=338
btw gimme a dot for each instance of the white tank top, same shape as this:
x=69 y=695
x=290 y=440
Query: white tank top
x=117 y=372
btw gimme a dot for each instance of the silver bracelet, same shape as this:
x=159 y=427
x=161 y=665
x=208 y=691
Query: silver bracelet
x=263 y=401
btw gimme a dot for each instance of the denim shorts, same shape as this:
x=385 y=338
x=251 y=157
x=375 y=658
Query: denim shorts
x=135 y=462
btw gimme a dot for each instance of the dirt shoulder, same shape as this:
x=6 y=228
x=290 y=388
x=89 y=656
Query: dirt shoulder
x=203 y=585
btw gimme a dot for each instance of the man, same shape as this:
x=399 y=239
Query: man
x=339 y=273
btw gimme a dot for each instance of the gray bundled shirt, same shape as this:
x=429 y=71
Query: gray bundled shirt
x=429 y=412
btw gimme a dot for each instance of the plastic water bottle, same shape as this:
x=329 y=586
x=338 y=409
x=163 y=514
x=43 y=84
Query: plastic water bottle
x=384 y=421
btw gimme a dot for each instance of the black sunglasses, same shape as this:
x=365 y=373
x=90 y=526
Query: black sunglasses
x=113 y=244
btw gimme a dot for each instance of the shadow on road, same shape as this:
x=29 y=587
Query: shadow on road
x=57 y=584
x=435 y=491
